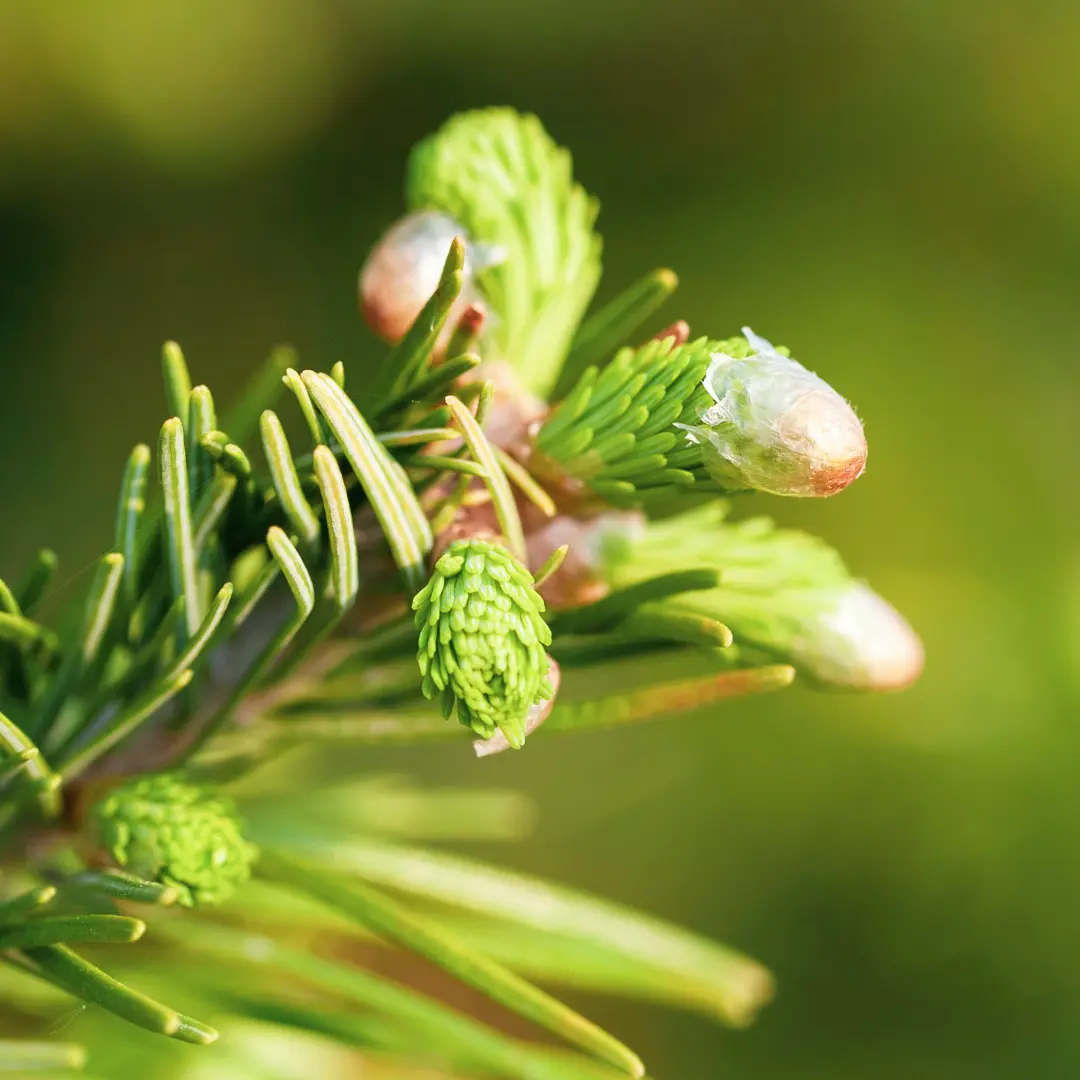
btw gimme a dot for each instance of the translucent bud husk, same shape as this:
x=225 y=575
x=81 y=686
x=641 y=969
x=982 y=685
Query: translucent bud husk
x=776 y=427
x=402 y=272
x=859 y=641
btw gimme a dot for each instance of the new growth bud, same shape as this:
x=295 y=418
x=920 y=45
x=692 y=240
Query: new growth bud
x=402 y=271
x=856 y=639
x=482 y=644
x=782 y=592
x=162 y=828
x=774 y=426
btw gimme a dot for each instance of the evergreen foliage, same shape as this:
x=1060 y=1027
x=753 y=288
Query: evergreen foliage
x=252 y=616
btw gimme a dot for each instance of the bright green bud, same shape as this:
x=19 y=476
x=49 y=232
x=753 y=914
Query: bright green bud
x=482 y=639
x=781 y=591
x=504 y=180
x=774 y=426
x=162 y=828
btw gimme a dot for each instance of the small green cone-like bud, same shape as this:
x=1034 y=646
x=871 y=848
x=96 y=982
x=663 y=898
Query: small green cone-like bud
x=781 y=591
x=164 y=829
x=774 y=426
x=483 y=640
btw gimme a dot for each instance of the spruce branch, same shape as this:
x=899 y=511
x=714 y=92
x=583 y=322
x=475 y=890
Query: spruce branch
x=257 y=600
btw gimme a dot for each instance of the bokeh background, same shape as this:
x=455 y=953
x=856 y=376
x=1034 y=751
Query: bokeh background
x=891 y=188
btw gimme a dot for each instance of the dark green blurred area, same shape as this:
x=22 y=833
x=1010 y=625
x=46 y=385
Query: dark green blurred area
x=890 y=188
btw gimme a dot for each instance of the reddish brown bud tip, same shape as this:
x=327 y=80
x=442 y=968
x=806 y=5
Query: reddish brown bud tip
x=403 y=271
x=680 y=331
x=471 y=320
x=841 y=472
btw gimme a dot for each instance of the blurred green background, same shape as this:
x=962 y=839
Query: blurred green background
x=892 y=189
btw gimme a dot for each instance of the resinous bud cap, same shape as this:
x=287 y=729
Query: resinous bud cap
x=775 y=426
x=859 y=642
x=403 y=269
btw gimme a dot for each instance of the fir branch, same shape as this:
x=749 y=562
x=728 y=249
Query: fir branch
x=428 y=1024
x=780 y=590
x=180 y=633
x=201 y=419
x=345 y=574
x=129 y=515
x=286 y=479
x=23 y=1055
x=717 y=979
x=15 y=744
x=183 y=566
x=288 y=561
x=495 y=478
x=295 y=383
x=616 y=429
x=118 y=885
x=73 y=930
x=16 y=908
x=177 y=379
x=75 y=759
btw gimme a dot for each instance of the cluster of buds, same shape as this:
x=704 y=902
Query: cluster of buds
x=163 y=828
x=703 y=417
x=470 y=466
